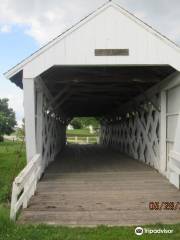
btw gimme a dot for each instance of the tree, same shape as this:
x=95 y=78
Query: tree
x=87 y=121
x=76 y=123
x=83 y=122
x=7 y=118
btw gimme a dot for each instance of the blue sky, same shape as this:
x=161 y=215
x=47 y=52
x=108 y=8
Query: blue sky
x=27 y=25
x=14 y=46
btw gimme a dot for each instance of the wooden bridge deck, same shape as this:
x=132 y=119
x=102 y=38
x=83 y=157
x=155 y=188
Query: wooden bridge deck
x=91 y=185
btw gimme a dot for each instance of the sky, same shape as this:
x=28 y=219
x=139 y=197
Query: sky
x=26 y=25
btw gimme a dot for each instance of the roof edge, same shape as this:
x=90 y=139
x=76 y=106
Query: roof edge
x=19 y=67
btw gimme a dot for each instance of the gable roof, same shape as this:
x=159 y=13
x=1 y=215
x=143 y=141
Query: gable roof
x=14 y=71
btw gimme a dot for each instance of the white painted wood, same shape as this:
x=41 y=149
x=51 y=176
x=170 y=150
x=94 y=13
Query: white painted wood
x=172 y=81
x=173 y=106
x=135 y=135
x=29 y=113
x=173 y=132
x=174 y=163
x=177 y=138
x=109 y=29
x=14 y=196
x=172 y=114
x=163 y=160
x=59 y=95
x=175 y=155
x=103 y=29
x=83 y=140
x=53 y=128
x=25 y=185
x=43 y=87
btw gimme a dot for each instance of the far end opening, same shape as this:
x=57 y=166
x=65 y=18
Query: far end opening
x=83 y=130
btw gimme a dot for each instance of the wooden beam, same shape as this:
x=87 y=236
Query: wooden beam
x=174 y=77
x=119 y=78
x=90 y=97
x=59 y=95
x=63 y=100
x=41 y=84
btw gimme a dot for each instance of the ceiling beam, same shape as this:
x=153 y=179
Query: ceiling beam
x=60 y=94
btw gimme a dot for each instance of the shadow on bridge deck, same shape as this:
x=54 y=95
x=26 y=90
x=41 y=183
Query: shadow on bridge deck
x=91 y=185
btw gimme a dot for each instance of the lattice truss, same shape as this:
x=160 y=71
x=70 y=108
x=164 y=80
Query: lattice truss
x=53 y=134
x=136 y=134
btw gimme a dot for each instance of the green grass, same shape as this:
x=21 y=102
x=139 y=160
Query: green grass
x=12 y=160
x=80 y=133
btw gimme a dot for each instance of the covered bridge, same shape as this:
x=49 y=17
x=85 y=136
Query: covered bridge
x=111 y=65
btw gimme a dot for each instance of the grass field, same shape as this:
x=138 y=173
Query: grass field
x=12 y=160
x=80 y=133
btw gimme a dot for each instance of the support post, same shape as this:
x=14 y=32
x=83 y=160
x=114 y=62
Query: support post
x=163 y=160
x=29 y=113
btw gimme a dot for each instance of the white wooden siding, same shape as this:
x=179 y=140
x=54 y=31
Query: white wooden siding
x=173 y=110
x=108 y=29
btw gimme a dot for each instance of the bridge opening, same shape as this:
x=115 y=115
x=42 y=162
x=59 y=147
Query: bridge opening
x=121 y=97
x=83 y=130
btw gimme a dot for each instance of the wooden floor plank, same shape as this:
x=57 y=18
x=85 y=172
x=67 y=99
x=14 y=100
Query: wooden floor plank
x=92 y=185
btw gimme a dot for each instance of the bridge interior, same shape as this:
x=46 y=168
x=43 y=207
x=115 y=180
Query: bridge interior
x=111 y=183
x=130 y=117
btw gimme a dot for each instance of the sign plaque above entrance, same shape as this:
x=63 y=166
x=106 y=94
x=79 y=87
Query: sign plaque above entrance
x=111 y=52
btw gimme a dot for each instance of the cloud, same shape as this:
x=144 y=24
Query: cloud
x=45 y=19
x=5 y=29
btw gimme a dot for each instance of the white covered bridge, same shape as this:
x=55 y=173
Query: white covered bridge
x=111 y=65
